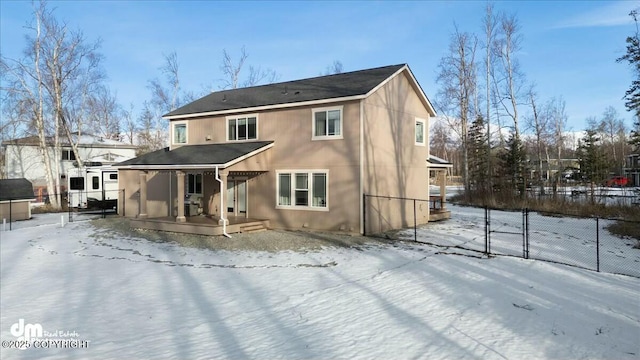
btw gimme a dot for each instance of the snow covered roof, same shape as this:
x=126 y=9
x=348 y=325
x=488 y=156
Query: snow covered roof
x=83 y=140
x=436 y=162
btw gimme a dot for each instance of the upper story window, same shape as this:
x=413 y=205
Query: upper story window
x=179 y=133
x=420 y=132
x=68 y=154
x=327 y=123
x=242 y=128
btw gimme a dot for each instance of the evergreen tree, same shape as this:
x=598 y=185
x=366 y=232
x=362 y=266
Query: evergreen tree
x=591 y=157
x=478 y=164
x=513 y=164
x=634 y=139
x=632 y=96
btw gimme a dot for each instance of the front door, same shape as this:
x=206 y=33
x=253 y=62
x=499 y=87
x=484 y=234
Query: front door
x=236 y=197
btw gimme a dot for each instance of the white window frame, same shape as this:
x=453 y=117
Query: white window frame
x=246 y=117
x=313 y=123
x=173 y=132
x=309 y=173
x=424 y=132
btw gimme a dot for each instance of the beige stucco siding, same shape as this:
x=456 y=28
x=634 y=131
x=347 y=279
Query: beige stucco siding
x=291 y=131
x=16 y=210
x=393 y=164
x=158 y=192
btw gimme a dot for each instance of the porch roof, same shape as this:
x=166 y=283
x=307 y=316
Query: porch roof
x=436 y=162
x=196 y=156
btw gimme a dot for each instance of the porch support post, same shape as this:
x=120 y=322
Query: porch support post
x=180 y=185
x=223 y=192
x=143 y=194
x=443 y=187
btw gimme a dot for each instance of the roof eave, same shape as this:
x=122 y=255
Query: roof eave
x=196 y=166
x=266 y=107
x=414 y=83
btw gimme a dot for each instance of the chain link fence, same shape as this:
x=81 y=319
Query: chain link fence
x=75 y=206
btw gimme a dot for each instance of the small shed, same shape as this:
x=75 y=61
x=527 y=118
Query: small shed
x=16 y=196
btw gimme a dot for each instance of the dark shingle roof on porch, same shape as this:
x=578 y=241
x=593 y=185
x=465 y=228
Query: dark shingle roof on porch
x=318 y=88
x=209 y=154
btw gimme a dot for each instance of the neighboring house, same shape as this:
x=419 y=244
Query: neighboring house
x=632 y=169
x=23 y=158
x=16 y=196
x=293 y=155
x=551 y=167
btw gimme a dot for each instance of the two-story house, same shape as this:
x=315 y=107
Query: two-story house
x=293 y=155
x=23 y=157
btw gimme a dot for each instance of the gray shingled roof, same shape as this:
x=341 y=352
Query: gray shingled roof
x=318 y=88
x=209 y=154
x=15 y=189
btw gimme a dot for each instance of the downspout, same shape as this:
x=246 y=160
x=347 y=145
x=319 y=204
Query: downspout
x=361 y=195
x=224 y=221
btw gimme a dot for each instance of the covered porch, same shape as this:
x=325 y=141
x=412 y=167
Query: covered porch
x=438 y=203
x=199 y=189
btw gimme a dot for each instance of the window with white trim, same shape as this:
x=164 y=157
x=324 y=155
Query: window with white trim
x=303 y=189
x=194 y=184
x=242 y=128
x=179 y=133
x=420 y=132
x=327 y=123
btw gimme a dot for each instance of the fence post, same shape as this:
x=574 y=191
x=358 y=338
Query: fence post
x=123 y=205
x=598 y=244
x=486 y=230
x=527 y=229
x=364 y=214
x=524 y=237
x=69 y=208
x=10 y=215
x=415 y=222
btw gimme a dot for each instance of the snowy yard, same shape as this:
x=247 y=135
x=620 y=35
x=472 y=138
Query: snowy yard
x=132 y=298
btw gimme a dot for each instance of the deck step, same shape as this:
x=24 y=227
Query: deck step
x=252 y=228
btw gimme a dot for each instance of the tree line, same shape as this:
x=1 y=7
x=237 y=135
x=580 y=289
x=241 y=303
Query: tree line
x=502 y=135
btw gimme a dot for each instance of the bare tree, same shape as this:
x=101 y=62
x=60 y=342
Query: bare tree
x=166 y=96
x=489 y=24
x=457 y=78
x=539 y=123
x=508 y=79
x=556 y=109
x=232 y=71
x=130 y=126
x=614 y=131
x=49 y=80
x=105 y=114
x=335 y=68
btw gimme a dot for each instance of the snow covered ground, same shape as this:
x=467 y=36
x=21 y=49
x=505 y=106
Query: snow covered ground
x=132 y=298
x=560 y=239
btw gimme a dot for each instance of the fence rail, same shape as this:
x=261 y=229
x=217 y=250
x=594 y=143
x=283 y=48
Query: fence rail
x=76 y=206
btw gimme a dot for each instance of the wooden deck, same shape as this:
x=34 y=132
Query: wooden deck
x=437 y=211
x=201 y=225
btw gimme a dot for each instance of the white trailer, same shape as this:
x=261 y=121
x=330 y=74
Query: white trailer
x=93 y=187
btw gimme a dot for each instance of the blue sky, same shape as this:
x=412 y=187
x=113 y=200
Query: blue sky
x=569 y=47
